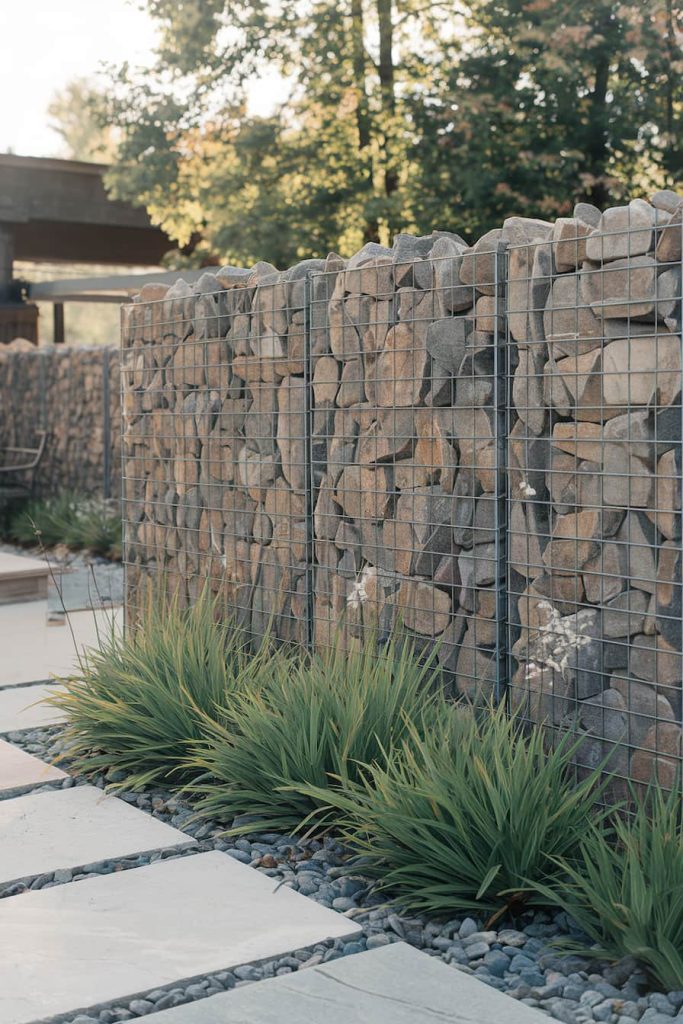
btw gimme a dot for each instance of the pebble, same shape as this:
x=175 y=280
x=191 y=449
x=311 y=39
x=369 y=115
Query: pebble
x=518 y=960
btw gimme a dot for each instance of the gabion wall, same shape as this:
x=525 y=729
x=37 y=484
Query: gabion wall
x=481 y=443
x=73 y=394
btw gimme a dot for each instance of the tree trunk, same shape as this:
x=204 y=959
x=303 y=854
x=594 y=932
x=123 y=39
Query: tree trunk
x=385 y=18
x=363 y=119
x=596 y=148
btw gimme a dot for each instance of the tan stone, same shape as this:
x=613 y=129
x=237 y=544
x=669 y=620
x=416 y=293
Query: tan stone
x=476 y=671
x=622 y=288
x=583 y=379
x=637 y=369
x=257 y=473
x=385 y=443
x=363 y=493
x=524 y=274
x=654 y=660
x=478 y=267
x=381 y=318
x=527 y=389
x=569 y=243
x=291 y=431
x=571 y=328
x=667 y=497
x=669 y=245
x=622 y=231
x=373 y=278
x=584 y=440
x=486 y=314
x=574 y=542
x=603 y=575
x=432 y=451
x=325 y=381
x=624 y=615
x=352 y=387
x=525 y=544
x=281 y=501
x=401 y=367
x=424 y=608
x=327 y=512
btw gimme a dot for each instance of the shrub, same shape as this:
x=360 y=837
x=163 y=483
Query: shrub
x=468 y=815
x=139 y=701
x=626 y=889
x=309 y=723
x=76 y=521
x=45 y=521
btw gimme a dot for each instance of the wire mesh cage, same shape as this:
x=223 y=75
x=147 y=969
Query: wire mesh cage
x=477 y=446
x=594 y=454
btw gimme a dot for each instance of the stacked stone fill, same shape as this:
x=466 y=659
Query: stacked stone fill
x=73 y=394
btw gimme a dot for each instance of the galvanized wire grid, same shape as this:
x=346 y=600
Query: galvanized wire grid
x=594 y=509
x=481 y=449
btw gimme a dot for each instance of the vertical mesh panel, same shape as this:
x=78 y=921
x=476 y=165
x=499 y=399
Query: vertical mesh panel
x=406 y=465
x=595 y=488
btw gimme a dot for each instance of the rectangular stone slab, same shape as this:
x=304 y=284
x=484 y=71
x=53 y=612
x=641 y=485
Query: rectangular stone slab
x=393 y=985
x=121 y=935
x=68 y=828
x=19 y=710
x=34 y=649
x=19 y=770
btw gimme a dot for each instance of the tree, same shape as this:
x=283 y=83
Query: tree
x=395 y=115
x=328 y=169
x=74 y=116
x=554 y=102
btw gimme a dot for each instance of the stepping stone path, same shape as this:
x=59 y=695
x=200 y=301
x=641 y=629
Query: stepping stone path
x=19 y=770
x=19 y=710
x=74 y=946
x=393 y=985
x=69 y=828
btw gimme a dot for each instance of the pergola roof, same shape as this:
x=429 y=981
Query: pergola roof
x=59 y=210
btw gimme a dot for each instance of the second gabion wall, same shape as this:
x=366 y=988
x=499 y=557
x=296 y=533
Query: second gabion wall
x=74 y=395
x=481 y=443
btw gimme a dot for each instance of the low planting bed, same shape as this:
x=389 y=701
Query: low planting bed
x=350 y=779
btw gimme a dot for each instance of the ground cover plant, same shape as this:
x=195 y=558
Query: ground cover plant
x=466 y=816
x=80 y=522
x=625 y=888
x=448 y=810
x=310 y=722
x=139 y=701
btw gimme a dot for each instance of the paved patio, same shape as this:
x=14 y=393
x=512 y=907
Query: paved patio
x=85 y=930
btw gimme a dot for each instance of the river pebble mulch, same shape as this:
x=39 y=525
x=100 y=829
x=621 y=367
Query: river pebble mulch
x=517 y=957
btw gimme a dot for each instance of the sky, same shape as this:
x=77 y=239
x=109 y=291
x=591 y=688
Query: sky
x=44 y=44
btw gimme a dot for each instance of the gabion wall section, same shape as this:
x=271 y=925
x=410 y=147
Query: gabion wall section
x=74 y=395
x=479 y=444
x=594 y=518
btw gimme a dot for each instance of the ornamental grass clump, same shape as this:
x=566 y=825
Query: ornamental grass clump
x=625 y=889
x=77 y=521
x=310 y=723
x=466 y=816
x=140 y=701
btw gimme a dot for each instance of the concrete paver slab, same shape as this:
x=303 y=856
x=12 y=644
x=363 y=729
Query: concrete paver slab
x=393 y=985
x=32 y=649
x=21 y=708
x=120 y=935
x=19 y=770
x=22 y=578
x=68 y=828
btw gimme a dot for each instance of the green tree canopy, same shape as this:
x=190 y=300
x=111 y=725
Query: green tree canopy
x=394 y=115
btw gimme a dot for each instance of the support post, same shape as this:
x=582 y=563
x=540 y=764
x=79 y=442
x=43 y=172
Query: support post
x=58 y=323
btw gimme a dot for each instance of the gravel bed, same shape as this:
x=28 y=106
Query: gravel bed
x=517 y=957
